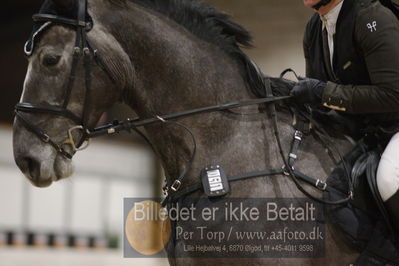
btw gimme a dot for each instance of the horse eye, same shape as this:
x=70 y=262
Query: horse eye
x=51 y=60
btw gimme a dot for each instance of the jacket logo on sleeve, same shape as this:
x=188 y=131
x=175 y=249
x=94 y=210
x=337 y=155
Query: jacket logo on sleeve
x=372 y=26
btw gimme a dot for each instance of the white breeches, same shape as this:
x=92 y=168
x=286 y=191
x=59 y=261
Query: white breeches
x=388 y=170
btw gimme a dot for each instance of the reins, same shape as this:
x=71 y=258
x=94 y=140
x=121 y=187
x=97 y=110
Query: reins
x=289 y=168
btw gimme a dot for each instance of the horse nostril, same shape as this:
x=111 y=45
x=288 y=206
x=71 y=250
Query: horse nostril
x=34 y=168
x=31 y=166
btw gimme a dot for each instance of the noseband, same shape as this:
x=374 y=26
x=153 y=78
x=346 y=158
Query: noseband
x=83 y=49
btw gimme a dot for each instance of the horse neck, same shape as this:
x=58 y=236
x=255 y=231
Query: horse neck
x=176 y=71
x=174 y=68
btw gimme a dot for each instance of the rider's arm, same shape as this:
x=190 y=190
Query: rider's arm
x=377 y=35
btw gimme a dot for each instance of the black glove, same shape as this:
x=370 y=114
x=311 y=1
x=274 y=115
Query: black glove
x=308 y=91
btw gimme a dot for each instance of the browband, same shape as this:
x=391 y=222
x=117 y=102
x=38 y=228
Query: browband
x=58 y=19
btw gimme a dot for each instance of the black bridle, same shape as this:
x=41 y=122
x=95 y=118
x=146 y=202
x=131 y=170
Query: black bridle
x=84 y=49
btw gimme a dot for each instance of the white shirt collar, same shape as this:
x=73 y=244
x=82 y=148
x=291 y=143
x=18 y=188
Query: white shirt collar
x=330 y=19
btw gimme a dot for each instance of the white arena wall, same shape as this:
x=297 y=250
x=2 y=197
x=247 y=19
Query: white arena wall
x=89 y=203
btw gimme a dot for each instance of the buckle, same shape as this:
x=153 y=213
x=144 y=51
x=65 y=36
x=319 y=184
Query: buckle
x=111 y=131
x=71 y=141
x=321 y=185
x=76 y=51
x=176 y=185
x=88 y=26
x=45 y=138
x=285 y=172
x=351 y=195
x=160 y=119
x=298 y=135
x=86 y=51
x=81 y=23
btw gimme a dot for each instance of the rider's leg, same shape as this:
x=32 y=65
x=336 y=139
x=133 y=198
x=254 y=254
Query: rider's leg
x=388 y=179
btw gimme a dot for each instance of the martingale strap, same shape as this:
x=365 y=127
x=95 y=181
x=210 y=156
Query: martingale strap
x=298 y=135
x=187 y=190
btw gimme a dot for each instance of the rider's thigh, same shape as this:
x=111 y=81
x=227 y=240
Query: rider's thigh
x=388 y=169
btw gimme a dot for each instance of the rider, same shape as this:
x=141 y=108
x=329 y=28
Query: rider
x=352 y=66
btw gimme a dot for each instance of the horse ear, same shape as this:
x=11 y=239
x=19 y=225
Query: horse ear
x=64 y=5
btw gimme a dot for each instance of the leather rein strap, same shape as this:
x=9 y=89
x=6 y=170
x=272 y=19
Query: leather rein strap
x=127 y=125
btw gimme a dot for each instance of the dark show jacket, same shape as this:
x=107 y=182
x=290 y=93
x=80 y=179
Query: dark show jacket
x=365 y=76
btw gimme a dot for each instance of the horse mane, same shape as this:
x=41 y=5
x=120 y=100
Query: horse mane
x=213 y=26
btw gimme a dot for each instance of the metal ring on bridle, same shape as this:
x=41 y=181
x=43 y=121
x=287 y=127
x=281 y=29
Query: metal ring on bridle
x=71 y=140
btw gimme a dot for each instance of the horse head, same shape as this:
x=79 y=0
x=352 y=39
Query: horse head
x=75 y=73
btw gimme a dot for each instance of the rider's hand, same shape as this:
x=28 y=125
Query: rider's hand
x=308 y=91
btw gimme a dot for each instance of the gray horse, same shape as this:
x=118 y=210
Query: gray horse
x=169 y=56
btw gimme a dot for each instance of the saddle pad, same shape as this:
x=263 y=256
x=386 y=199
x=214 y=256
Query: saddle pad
x=360 y=223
